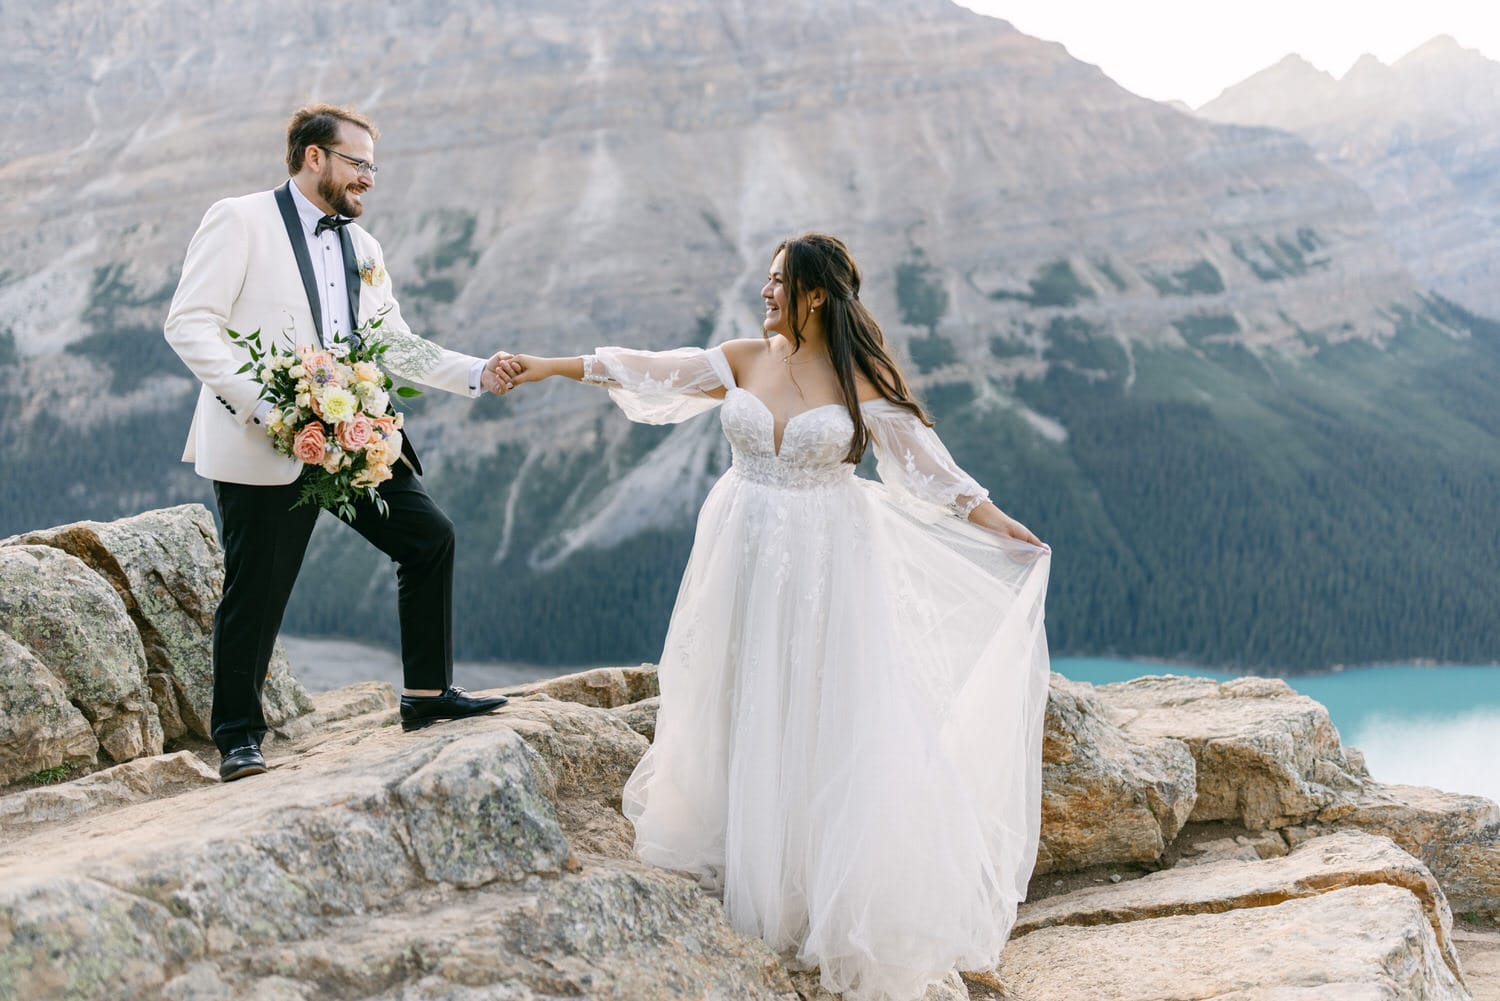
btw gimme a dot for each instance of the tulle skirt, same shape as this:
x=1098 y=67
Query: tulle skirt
x=849 y=737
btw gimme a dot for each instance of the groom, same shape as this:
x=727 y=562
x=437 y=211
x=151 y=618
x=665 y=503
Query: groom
x=292 y=264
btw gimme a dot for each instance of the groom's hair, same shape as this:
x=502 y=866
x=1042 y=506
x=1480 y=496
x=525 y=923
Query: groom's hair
x=318 y=125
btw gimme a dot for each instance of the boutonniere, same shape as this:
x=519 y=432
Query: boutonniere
x=371 y=273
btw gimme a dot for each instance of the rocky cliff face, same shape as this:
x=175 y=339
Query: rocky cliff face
x=1421 y=136
x=1120 y=311
x=1190 y=830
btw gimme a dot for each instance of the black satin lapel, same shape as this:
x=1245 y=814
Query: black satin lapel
x=351 y=277
x=295 y=233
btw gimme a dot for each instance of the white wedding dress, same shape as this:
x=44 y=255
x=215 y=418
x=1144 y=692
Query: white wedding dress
x=852 y=691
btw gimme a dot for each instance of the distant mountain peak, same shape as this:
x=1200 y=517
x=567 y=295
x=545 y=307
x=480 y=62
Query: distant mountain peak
x=1439 y=49
x=1291 y=77
x=1367 y=65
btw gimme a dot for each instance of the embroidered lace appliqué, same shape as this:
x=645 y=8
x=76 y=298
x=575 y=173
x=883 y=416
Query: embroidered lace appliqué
x=594 y=372
x=408 y=355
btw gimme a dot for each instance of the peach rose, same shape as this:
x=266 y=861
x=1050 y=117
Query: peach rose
x=355 y=433
x=365 y=371
x=372 y=475
x=308 y=445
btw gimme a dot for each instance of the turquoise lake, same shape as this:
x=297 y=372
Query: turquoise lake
x=1433 y=726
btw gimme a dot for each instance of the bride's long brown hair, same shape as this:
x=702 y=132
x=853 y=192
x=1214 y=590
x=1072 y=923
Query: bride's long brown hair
x=820 y=261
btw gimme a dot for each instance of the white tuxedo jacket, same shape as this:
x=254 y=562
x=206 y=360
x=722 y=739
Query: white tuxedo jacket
x=242 y=274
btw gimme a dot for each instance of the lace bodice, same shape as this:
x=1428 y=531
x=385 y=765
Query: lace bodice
x=665 y=387
x=813 y=443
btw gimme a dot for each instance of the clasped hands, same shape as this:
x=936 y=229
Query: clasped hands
x=505 y=371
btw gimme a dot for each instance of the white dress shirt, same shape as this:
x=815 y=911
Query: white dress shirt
x=327 y=256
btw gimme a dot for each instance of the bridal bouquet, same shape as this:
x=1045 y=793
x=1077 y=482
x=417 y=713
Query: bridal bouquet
x=331 y=408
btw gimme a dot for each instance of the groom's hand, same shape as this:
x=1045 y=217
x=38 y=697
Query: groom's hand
x=499 y=373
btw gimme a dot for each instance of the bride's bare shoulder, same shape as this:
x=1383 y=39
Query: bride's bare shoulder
x=743 y=353
x=744 y=348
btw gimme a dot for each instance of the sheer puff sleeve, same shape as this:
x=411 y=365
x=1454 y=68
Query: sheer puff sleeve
x=911 y=459
x=660 y=387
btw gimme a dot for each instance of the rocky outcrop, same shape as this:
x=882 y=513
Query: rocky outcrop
x=40 y=728
x=135 y=781
x=1457 y=836
x=605 y=687
x=168 y=570
x=1106 y=797
x=489 y=858
x=1265 y=756
x=75 y=626
x=105 y=641
x=257 y=889
x=1319 y=866
x=1366 y=942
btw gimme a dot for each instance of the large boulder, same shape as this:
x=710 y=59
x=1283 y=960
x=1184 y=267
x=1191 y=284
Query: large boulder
x=1317 y=866
x=1456 y=835
x=135 y=781
x=603 y=687
x=39 y=727
x=1349 y=915
x=76 y=626
x=1363 y=943
x=1266 y=757
x=168 y=569
x=1106 y=798
x=586 y=754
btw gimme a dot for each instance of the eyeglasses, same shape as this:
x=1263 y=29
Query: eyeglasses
x=360 y=166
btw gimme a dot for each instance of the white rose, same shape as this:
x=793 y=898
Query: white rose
x=377 y=401
x=297 y=371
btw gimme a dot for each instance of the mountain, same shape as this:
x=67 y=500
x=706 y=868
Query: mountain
x=1184 y=352
x=1421 y=136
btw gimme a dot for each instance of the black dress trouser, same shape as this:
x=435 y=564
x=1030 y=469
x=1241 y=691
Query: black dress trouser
x=264 y=541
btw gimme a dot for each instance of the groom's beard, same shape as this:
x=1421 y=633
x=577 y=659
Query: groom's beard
x=337 y=198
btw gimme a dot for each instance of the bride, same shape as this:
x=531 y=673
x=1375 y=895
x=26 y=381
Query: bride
x=855 y=675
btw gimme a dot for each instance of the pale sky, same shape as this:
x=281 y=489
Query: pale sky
x=1191 y=50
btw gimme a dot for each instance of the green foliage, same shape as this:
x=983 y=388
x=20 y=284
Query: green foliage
x=1107 y=269
x=1004 y=347
x=1200 y=279
x=1076 y=342
x=1280 y=258
x=53 y=775
x=933 y=351
x=920 y=294
x=131 y=349
x=1054 y=284
x=1201 y=325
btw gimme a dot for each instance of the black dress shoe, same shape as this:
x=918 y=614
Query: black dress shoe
x=240 y=762
x=418 y=711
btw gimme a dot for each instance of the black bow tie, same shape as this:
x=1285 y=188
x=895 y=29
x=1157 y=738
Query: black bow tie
x=331 y=222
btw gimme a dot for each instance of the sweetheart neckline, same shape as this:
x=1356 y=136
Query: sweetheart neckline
x=776 y=445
